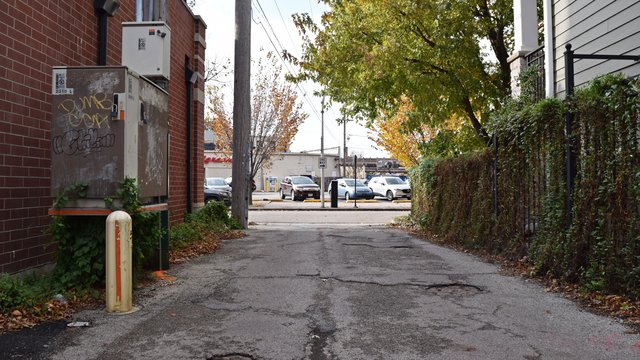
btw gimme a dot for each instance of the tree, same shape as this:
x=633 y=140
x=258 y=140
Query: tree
x=216 y=70
x=369 y=54
x=394 y=136
x=407 y=142
x=275 y=114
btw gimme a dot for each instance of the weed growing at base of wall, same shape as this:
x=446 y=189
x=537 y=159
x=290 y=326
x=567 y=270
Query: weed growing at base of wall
x=24 y=292
x=81 y=239
x=146 y=230
x=214 y=217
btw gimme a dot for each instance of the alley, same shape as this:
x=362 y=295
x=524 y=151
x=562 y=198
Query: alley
x=302 y=290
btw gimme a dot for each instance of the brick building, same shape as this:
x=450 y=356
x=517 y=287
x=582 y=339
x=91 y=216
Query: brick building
x=36 y=35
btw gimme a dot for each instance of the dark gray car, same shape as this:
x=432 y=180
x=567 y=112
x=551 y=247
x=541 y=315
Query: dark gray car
x=299 y=188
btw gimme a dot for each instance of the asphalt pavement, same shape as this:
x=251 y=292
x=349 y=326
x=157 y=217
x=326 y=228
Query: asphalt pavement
x=343 y=287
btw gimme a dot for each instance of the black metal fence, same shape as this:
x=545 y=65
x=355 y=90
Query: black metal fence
x=524 y=202
x=535 y=60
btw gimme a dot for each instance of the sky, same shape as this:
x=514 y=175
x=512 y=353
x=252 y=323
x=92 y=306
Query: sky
x=272 y=28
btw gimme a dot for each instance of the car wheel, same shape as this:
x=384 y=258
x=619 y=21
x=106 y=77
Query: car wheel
x=389 y=195
x=282 y=194
x=293 y=196
x=346 y=196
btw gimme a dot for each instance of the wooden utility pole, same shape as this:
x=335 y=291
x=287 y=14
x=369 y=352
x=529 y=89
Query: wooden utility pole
x=241 y=114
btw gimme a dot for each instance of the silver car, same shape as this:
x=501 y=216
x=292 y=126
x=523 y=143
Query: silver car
x=216 y=183
x=347 y=190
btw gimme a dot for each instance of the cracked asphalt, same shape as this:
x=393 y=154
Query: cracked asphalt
x=297 y=288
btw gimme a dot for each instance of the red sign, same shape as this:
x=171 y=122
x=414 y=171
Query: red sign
x=213 y=159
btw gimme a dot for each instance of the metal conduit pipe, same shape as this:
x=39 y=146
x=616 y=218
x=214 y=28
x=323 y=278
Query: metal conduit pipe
x=104 y=9
x=190 y=78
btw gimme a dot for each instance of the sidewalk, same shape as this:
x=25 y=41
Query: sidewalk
x=272 y=201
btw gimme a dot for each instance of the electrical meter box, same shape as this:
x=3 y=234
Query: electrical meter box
x=146 y=48
x=108 y=123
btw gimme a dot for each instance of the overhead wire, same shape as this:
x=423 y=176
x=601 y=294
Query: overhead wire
x=279 y=51
x=284 y=23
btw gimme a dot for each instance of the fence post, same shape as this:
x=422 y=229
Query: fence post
x=496 y=211
x=568 y=131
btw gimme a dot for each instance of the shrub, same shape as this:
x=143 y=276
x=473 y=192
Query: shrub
x=81 y=239
x=214 y=217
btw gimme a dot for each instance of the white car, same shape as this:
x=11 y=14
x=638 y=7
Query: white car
x=391 y=187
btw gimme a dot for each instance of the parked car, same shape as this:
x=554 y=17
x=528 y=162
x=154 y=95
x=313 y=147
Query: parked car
x=299 y=188
x=217 y=195
x=216 y=183
x=228 y=181
x=353 y=189
x=391 y=187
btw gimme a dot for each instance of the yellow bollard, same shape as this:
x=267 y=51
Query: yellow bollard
x=118 y=263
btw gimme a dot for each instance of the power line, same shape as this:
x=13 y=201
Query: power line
x=279 y=50
x=264 y=15
x=284 y=23
x=285 y=63
x=311 y=9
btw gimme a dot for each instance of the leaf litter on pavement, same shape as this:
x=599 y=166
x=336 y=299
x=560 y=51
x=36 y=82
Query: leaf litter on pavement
x=613 y=305
x=60 y=308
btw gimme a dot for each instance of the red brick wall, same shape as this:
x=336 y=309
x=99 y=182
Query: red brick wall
x=199 y=60
x=36 y=35
x=182 y=46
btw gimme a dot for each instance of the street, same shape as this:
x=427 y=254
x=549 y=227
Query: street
x=350 y=288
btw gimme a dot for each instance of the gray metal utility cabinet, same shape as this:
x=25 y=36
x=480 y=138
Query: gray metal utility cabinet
x=108 y=123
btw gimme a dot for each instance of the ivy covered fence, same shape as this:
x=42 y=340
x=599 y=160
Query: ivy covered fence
x=600 y=248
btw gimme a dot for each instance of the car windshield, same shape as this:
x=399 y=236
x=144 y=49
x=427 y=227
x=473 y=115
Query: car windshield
x=350 y=182
x=394 y=181
x=301 y=180
x=215 y=181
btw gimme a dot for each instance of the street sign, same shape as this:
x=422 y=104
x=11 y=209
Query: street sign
x=322 y=162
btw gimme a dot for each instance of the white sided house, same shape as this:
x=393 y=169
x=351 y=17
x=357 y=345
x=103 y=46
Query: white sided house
x=591 y=27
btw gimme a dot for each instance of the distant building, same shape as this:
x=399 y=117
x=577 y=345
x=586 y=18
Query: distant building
x=218 y=164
